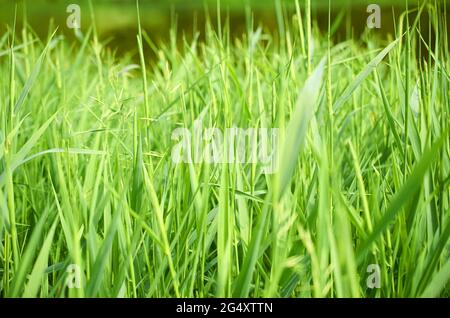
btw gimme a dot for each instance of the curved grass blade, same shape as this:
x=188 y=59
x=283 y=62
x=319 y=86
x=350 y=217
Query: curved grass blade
x=27 y=257
x=298 y=125
x=363 y=75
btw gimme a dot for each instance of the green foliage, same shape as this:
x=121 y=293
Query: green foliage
x=87 y=178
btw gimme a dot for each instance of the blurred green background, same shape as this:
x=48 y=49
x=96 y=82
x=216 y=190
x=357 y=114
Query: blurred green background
x=116 y=20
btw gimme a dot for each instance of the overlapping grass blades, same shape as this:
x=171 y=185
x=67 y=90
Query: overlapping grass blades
x=87 y=178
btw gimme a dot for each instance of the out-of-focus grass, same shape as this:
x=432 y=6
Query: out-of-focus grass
x=86 y=175
x=116 y=15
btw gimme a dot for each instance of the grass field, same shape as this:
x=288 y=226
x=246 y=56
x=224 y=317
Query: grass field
x=92 y=203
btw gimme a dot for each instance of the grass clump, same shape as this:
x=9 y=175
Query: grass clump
x=86 y=175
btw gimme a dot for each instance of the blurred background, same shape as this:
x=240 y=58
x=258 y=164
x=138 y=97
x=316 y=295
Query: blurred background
x=116 y=20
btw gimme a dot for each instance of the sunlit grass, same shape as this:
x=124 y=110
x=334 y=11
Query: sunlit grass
x=87 y=178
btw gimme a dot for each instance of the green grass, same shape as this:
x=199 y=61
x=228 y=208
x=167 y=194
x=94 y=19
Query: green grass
x=86 y=175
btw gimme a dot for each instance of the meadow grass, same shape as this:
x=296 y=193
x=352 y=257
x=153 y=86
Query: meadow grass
x=87 y=178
